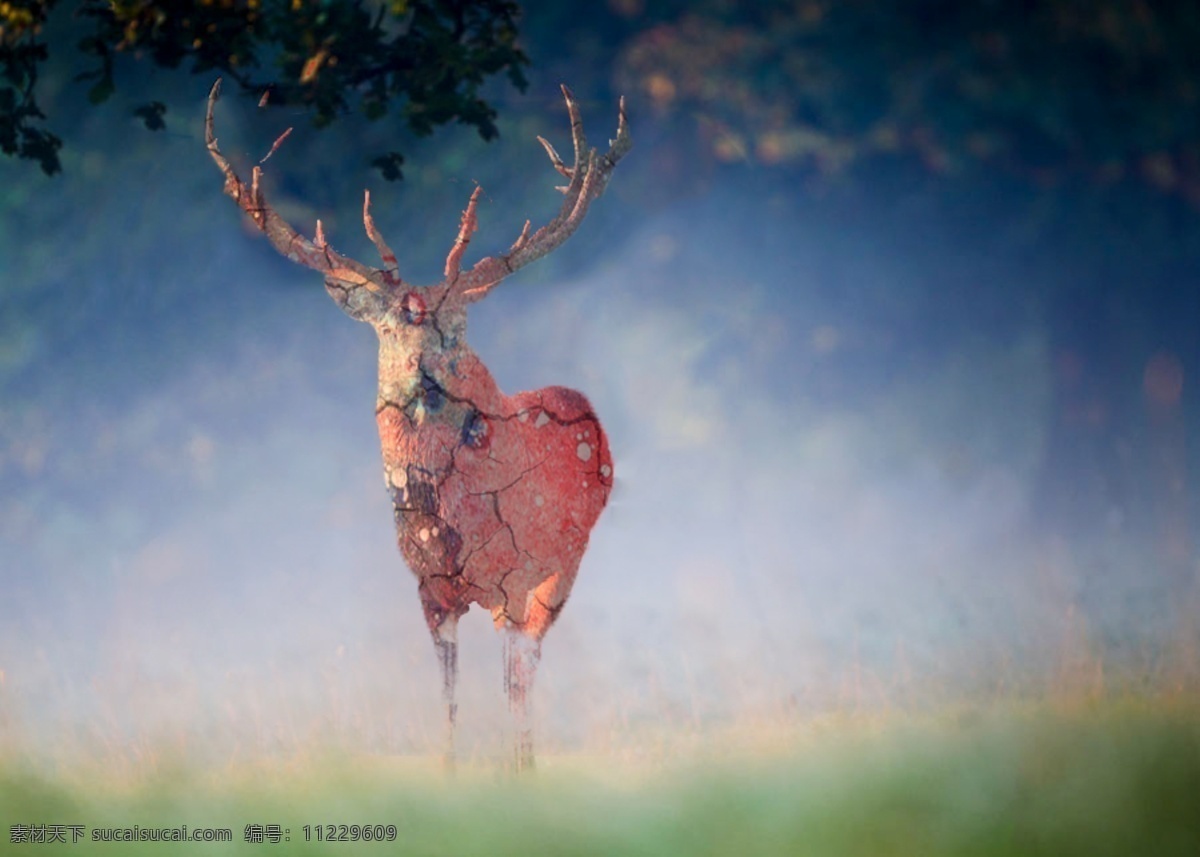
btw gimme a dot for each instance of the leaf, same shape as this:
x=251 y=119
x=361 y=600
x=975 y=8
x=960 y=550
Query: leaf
x=420 y=60
x=101 y=92
x=389 y=166
x=41 y=146
x=374 y=110
x=152 y=115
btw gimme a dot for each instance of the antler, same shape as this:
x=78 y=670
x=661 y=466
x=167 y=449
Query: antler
x=587 y=178
x=315 y=254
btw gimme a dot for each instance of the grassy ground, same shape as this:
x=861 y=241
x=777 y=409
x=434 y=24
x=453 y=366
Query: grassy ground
x=1109 y=778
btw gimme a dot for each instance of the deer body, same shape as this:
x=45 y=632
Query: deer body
x=494 y=496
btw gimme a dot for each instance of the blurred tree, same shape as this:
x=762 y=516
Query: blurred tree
x=1069 y=130
x=1052 y=91
x=431 y=56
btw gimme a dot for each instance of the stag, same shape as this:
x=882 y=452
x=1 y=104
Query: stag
x=494 y=496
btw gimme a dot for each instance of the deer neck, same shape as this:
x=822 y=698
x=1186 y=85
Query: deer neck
x=431 y=374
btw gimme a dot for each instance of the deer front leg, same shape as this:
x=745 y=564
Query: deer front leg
x=521 y=654
x=445 y=641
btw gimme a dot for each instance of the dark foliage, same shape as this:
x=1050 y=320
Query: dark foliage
x=20 y=53
x=423 y=59
x=1058 y=94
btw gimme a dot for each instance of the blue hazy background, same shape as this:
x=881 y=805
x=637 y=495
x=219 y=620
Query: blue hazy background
x=894 y=422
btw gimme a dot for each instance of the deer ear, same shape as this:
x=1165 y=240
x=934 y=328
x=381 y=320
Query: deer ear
x=356 y=301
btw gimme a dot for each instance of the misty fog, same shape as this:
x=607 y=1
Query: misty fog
x=829 y=422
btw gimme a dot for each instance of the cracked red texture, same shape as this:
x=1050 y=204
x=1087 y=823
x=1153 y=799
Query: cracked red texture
x=516 y=505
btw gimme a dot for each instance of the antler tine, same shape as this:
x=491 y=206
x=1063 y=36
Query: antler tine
x=256 y=200
x=577 y=135
x=588 y=179
x=556 y=160
x=391 y=269
x=578 y=196
x=578 y=172
x=233 y=185
x=623 y=143
x=282 y=236
x=466 y=228
x=278 y=142
x=522 y=238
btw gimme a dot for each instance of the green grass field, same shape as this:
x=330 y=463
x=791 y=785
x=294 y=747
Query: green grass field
x=1115 y=777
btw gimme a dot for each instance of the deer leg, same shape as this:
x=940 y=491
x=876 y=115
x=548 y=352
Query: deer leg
x=521 y=654
x=445 y=640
